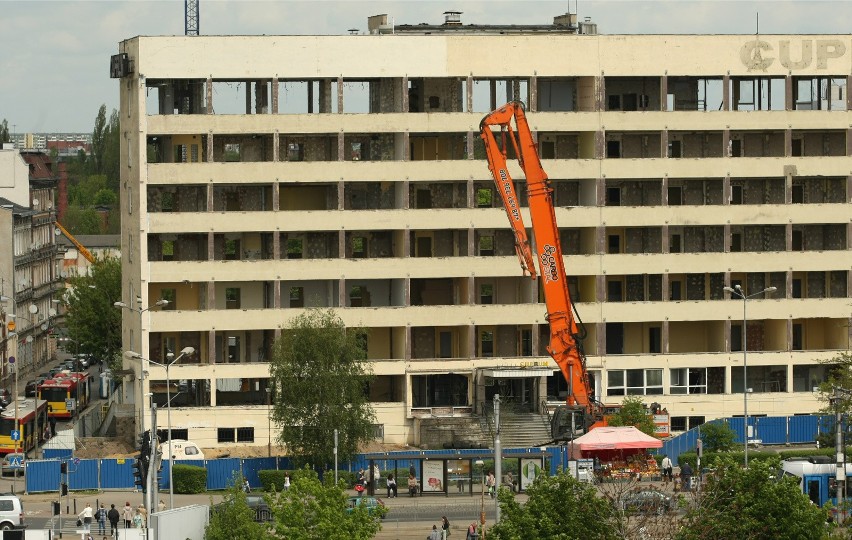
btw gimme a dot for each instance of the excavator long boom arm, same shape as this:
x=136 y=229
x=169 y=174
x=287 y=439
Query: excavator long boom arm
x=565 y=333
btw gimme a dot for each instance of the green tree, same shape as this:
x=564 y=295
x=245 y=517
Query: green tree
x=4 y=132
x=105 y=197
x=82 y=220
x=92 y=320
x=717 y=436
x=320 y=372
x=112 y=149
x=755 y=503
x=558 y=507
x=633 y=412
x=233 y=514
x=99 y=142
x=314 y=510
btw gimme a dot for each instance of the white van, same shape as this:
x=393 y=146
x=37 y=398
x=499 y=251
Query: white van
x=11 y=512
x=183 y=449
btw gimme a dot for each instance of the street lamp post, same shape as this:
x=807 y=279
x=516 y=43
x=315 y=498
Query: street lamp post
x=187 y=351
x=140 y=311
x=481 y=465
x=737 y=291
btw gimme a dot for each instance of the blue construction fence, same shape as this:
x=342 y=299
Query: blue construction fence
x=799 y=429
x=97 y=474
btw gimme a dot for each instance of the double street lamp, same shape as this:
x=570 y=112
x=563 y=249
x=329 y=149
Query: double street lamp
x=737 y=291
x=140 y=311
x=187 y=351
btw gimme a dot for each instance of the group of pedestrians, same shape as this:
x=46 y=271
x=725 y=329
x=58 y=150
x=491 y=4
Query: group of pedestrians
x=442 y=533
x=133 y=518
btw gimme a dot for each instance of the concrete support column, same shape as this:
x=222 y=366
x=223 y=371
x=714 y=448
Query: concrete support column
x=209 y=197
x=666 y=239
x=274 y=109
x=600 y=97
x=789 y=334
x=341 y=152
x=726 y=93
x=726 y=190
x=276 y=146
x=726 y=147
x=535 y=340
x=601 y=347
x=848 y=97
x=664 y=337
x=728 y=384
x=406 y=243
x=340 y=95
x=727 y=232
x=211 y=347
x=208 y=88
x=600 y=289
x=470 y=141
x=404 y=93
x=664 y=143
x=342 y=297
x=665 y=287
x=341 y=195
x=210 y=147
x=533 y=91
x=472 y=339
x=788 y=142
x=789 y=387
x=664 y=196
x=664 y=92
x=788 y=93
x=211 y=246
x=408 y=352
x=471 y=200
x=471 y=290
x=468 y=91
x=341 y=244
x=471 y=242
x=248 y=96
x=788 y=187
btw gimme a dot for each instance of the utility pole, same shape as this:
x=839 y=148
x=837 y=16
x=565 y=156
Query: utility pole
x=498 y=455
x=153 y=467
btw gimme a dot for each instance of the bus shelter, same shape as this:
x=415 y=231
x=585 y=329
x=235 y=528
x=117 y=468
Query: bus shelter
x=451 y=472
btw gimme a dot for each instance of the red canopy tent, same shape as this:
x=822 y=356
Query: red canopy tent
x=606 y=442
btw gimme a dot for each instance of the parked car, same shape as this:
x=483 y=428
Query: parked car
x=31 y=389
x=262 y=513
x=13 y=464
x=11 y=512
x=70 y=364
x=647 y=501
x=373 y=505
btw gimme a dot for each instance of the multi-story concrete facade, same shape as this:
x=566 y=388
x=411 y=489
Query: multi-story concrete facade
x=352 y=177
x=28 y=270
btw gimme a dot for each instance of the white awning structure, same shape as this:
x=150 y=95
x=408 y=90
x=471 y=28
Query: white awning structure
x=517 y=373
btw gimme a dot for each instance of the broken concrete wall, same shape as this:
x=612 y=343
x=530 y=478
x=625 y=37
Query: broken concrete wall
x=443 y=243
x=755 y=281
x=191 y=247
x=685 y=91
x=816 y=284
x=693 y=192
x=640 y=145
x=655 y=287
x=717 y=285
x=385 y=95
x=824 y=190
x=321 y=246
x=566 y=193
x=570 y=240
x=635 y=285
x=701 y=145
x=764 y=238
x=380 y=244
x=370 y=196
x=506 y=341
x=155 y=248
x=838 y=284
x=695 y=288
x=634 y=92
x=779 y=281
x=504 y=243
x=643 y=240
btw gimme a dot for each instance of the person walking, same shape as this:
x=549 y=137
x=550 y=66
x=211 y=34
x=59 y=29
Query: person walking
x=686 y=476
x=86 y=516
x=435 y=535
x=137 y=519
x=445 y=528
x=471 y=532
x=113 y=516
x=666 y=465
x=101 y=516
x=127 y=515
x=286 y=481
x=144 y=513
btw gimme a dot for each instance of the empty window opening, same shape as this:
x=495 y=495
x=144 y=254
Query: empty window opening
x=613 y=243
x=613 y=149
x=424 y=246
x=359 y=247
x=168 y=250
x=675 y=150
x=675 y=293
x=798 y=194
x=297 y=297
x=486 y=293
x=655 y=339
x=232 y=250
x=486 y=343
x=675 y=195
x=232 y=298
x=736 y=194
x=232 y=152
x=356 y=297
x=294 y=248
x=486 y=246
x=613 y=196
x=484 y=198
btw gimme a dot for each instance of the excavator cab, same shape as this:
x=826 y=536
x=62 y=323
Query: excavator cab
x=568 y=423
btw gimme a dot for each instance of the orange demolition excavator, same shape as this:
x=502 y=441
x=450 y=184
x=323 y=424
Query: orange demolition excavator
x=582 y=412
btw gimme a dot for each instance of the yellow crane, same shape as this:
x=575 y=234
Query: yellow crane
x=80 y=247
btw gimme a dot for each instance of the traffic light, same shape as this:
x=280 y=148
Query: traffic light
x=140 y=473
x=63 y=467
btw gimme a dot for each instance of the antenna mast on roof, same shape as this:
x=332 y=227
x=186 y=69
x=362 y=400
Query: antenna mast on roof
x=190 y=21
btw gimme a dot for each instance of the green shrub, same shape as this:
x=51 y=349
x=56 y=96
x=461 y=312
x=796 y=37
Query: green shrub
x=189 y=479
x=272 y=480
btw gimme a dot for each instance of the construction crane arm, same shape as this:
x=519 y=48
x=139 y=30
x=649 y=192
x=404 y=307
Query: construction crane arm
x=80 y=247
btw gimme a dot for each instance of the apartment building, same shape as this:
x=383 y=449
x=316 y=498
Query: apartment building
x=263 y=175
x=28 y=272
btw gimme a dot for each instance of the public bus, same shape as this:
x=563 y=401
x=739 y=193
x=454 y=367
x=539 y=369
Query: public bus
x=32 y=417
x=64 y=390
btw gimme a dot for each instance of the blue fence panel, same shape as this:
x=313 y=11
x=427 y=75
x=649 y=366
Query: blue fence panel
x=251 y=467
x=56 y=453
x=771 y=429
x=83 y=475
x=42 y=475
x=117 y=474
x=803 y=429
x=220 y=472
x=285 y=464
x=685 y=442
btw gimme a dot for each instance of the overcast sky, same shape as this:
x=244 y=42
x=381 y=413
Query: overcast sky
x=54 y=55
